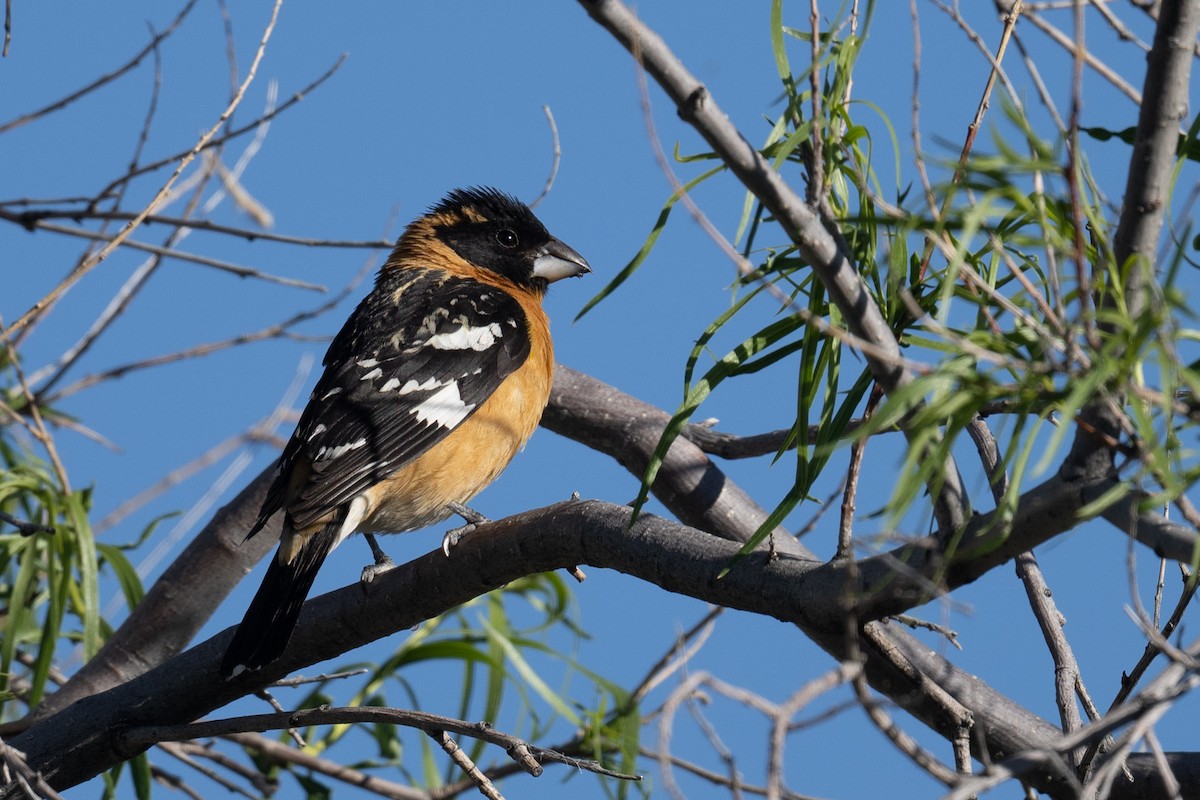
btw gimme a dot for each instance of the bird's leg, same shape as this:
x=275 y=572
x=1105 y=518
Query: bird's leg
x=455 y=535
x=382 y=561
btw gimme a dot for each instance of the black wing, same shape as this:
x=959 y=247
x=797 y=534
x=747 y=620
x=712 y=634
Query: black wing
x=417 y=357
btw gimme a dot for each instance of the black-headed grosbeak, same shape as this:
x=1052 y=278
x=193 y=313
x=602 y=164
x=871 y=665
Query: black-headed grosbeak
x=432 y=386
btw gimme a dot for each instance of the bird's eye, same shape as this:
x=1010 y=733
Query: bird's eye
x=507 y=237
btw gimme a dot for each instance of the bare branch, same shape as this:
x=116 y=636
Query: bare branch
x=464 y=762
x=99 y=82
x=137 y=738
x=822 y=247
x=91 y=262
x=223 y=138
x=557 y=157
x=31 y=219
x=122 y=240
x=25 y=528
x=1076 y=50
x=280 y=753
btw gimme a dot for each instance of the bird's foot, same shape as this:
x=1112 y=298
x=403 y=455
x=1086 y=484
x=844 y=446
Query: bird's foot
x=455 y=535
x=372 y=571
x=382 y=564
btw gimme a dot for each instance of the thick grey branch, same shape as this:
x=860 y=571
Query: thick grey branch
x=80 y=741
x=627 y=429
x=794 y=586
x=1163 y=111
x=1147 y=189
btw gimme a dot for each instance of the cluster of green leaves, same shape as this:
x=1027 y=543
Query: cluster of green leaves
x=48 y=578
x=50 y=572
x=979 y=275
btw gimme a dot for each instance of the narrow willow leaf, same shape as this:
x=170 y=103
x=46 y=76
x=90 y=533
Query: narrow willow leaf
x=139 y=770
x=20 y=611
x=124 y=572
x=647 y=246
x=717 y=373
x=530 y=676
x=89 y=584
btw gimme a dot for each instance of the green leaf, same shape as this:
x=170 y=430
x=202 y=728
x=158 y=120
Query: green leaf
x=124 y=571
x=143 y=782
x=727 y=366
x=89 y=584
x=512 y=652
x=647 y=246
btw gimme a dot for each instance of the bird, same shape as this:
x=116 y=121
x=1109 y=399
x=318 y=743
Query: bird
x=434 y=383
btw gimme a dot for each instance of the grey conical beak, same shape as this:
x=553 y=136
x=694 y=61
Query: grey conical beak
x=556 y=261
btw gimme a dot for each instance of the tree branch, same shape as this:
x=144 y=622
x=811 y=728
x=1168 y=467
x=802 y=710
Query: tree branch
x=1147 y=190
x=79 y=742
x=181 y=601
x=820 y=244
x=141 y=737
x=791 y=584
x=1163 y=111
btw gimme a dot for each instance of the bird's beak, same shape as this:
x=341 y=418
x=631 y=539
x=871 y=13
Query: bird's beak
x=556 y=261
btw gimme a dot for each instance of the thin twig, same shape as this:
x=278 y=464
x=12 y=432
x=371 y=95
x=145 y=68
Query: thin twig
x=31 y=218
x=108 y=77
x=874 y=634
x=1130 y=680
x=916 y=622
x=37 y=426
x=260 y=782
x=88 y=265
x=141 y=736
x=816 y=178
x=173 y=781
x=174 y=750
x=25 y=528
x=279 y=753
x=1078 y=51
x=717 y=778
x=302 y=680
x=222 y=139
x=557 y=157
x=684 y=648
x=845 y=540
x=464 y=762
x=121 y=239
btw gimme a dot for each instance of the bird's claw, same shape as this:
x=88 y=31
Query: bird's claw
x=455 y=535
x=372 y=571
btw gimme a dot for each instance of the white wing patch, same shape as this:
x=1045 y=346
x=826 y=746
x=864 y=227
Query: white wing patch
x=413 y=386
x=339 y=450
x=467 y=337
x=445 y=407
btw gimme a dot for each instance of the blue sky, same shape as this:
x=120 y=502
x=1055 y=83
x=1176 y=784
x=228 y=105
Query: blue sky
x=438 y=95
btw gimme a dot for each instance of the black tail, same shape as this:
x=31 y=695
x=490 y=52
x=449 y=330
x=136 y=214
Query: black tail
x=272 y=615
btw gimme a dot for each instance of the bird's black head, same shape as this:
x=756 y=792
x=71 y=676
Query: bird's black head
x=499 y=233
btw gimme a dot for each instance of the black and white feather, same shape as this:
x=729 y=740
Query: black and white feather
x=417 y=357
